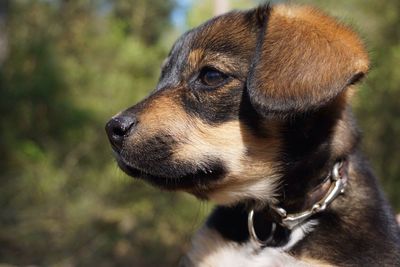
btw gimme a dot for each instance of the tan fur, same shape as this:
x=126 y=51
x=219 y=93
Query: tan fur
x=290 y=46
x=198 y=58
x=249 y=159
x=215 y=34
x=307 y=57
x=300 y=62
x=317 y=263
x=195 y=57
x=161 y=113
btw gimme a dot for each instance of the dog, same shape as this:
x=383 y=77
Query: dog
x=252 y=112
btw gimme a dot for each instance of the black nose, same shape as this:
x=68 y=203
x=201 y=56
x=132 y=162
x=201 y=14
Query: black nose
x=118 y=127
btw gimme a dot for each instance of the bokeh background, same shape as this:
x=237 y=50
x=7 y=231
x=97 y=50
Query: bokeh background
x=67 y=66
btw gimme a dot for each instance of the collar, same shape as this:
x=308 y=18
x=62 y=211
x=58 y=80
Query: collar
x=317 y=201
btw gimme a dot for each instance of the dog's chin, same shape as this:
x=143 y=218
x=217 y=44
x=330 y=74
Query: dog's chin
x=197 y=182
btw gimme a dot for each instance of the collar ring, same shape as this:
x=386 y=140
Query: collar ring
x=252 y=232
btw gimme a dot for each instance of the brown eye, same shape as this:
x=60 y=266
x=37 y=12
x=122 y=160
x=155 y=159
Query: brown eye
x=212 y=77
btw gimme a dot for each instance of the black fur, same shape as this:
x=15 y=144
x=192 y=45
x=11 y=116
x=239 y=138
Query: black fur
x=358 y=229
x=308 y=158
x=353 y=233
x=192 y=177
x=231 y=223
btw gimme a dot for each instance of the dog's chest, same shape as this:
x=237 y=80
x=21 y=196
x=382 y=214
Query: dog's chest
x=211 y=250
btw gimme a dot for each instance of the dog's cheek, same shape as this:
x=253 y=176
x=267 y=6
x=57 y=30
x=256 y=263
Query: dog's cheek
x=203 y=141
x=252 y=178
x=250 y=162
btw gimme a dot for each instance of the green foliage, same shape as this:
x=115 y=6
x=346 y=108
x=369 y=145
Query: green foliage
x=70 y=66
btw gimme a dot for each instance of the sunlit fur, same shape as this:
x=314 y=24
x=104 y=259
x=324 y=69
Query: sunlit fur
x=269 y=133
x=249 y=159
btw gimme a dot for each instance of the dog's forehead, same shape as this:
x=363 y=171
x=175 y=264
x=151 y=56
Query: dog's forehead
x=232 y=34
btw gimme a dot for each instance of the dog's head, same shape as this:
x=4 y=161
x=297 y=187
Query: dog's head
x=244 y=102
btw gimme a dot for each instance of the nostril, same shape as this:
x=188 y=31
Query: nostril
x=118 y=127
x=121 y=125
x=118 y=130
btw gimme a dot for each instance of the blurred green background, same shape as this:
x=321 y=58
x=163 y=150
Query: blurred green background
x=67 y=66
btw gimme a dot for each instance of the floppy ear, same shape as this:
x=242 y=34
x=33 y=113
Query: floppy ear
x=303 y=60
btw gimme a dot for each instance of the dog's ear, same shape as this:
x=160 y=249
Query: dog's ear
x=303 y=60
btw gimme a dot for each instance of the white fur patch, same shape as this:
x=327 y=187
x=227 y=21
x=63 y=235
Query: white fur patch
x=210 y=249
x=299 y=233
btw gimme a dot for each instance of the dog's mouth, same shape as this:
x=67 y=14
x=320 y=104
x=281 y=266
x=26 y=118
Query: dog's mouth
x=196 y=181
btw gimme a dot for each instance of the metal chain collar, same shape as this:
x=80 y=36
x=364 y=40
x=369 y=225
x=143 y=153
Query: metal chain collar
x=291 y=221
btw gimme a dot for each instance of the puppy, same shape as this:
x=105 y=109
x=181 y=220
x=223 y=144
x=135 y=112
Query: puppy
x=251 y=111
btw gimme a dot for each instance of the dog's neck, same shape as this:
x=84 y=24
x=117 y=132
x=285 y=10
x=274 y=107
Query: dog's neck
x=306 y=172
x=319 y=189
x=312 y=145
x=277 y=219
x=358 y=214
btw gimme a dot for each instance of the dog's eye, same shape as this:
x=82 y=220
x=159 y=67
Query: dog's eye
x=212 y=77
